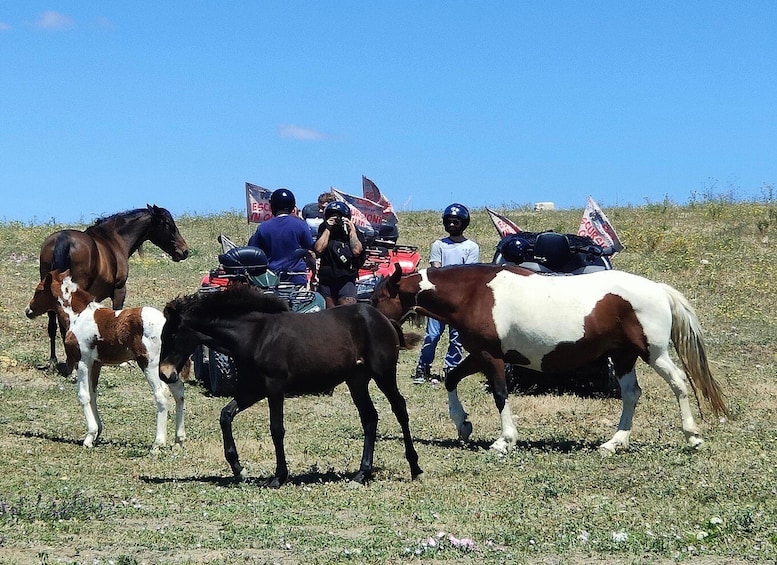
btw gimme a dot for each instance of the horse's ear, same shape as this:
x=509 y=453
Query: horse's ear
x=153 y=208
x=396 y=275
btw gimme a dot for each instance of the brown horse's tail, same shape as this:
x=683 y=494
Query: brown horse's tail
x=689 y=344
x=406 y=341
x=60 y=260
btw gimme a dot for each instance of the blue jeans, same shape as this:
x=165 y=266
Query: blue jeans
x=434 y=330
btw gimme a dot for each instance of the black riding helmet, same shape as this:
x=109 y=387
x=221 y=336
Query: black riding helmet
x=282 y=201
x=337 y=207
x=456 y=211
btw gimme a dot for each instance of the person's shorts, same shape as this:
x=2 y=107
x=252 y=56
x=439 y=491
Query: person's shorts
x=337 y=289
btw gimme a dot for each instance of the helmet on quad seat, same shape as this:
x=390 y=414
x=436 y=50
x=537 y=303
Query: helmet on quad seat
x=337 y=207
x=456 y=211
x=282 y=201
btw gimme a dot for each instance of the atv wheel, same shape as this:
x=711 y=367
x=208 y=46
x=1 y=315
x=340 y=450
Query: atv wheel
x=223 y=374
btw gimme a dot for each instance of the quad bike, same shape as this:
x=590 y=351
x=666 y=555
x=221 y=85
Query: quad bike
x=244 y=265
x=557 y=254
x=380 y=263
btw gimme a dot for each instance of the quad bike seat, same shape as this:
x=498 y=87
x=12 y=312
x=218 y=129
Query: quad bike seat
x=245 y=260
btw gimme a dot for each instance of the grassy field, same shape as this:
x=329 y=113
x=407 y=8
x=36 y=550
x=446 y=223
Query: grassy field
x=554 y=499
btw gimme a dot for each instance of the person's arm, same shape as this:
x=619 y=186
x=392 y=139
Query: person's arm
x=435 y=254
x=474 y=255
x=323 y=236
x=353 y=237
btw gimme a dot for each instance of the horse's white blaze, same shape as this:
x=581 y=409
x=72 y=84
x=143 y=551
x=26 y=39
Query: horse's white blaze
x=533 y=314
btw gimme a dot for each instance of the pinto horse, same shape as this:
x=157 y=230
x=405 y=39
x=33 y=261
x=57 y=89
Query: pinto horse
x=510 y=314
x=98 y=336
x=278 y=353
x=98 y=257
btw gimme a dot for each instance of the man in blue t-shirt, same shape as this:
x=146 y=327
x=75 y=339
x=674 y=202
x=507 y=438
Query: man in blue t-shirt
x=282 y=238
x=455 y=249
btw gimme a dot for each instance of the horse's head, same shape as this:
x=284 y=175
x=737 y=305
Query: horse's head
x=390 y=298
x=56 y=288
x=164 y=234
x=178 y=342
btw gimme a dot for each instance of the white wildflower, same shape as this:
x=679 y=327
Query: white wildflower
x=620 y=537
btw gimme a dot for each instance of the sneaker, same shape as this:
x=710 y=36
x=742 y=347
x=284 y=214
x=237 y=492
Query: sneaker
x=422 y=375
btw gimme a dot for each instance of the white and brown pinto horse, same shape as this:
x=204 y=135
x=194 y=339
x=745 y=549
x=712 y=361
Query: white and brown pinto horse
x=97 y=336
x=549 y=324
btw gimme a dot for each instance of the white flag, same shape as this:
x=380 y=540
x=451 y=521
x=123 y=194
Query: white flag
x=257 y=204
x=595 y=225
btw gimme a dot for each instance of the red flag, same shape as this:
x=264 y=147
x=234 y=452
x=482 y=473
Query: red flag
x=372 y=192
x=357 y=216
x=502 y=224
x=372 y=211
x=595 y=225
x=257 y=204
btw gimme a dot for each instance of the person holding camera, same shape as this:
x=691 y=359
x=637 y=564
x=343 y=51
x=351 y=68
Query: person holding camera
x=341 y=249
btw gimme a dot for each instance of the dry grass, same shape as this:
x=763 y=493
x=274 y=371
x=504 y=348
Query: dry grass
x=553 y=500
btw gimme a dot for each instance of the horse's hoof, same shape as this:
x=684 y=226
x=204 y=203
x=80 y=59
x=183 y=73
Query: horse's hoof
x=361 y=477
x=465 y=430
x=501 y=446
x=695 y=442
x=606 y=450
x=274 y=483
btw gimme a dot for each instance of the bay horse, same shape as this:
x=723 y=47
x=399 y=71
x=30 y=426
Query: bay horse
x=97 y=336
x=558 y=323
x=98 y=258
x=278 y=352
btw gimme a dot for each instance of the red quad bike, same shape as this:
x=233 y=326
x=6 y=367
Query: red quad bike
x=557 y=254
x=244 y=265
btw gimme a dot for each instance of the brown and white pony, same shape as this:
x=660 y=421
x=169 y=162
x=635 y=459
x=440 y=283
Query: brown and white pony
x=99 y=336
x=557 y=323
x=98 y=257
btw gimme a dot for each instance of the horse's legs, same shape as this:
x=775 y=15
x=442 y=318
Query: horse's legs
x=673 y=375
x=151 y=371
x=495 y=372
x=119 y=294
x=230 y=449
x=278 y=432
x=53 y=340
x=369 y=418
x=630 y=393
x=469 y=366
x=176 y=389
x=388 y=386
x=87 y=397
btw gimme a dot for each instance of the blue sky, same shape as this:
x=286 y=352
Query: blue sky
x=107 y=106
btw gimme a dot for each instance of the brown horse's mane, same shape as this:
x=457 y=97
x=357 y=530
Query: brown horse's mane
x=119 y=217
x=239 y=298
